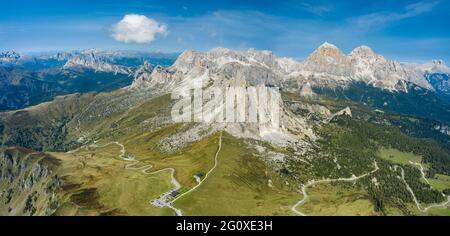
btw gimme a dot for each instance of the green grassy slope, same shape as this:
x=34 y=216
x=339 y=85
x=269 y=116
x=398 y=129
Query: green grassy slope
x=241 y=184
x=96 y=181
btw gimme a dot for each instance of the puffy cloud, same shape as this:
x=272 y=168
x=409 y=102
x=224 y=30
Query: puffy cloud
x=135 y=28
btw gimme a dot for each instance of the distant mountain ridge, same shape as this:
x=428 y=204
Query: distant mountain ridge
x=28 y=79
x=44 y=60
x=9 y=57
x=326 y=68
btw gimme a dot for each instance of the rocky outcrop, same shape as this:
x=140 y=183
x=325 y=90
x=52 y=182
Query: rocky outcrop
x=32 y=185
x=344 y=112
x=306 y=90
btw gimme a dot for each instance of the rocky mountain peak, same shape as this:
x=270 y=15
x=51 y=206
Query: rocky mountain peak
x=263 y=53
x=187 y=55
x=60 y=56
x=188 y=60
x=435 y=66
x=143 y=75
x=147 y=67
x=363 y=52
x=9 y=57
x=10 y=53
x=251 y=55
x=328 y=45
x=219 y=51
x=327 y=59
x=91 y=51
x=147 y=64
x=439 y=66
x=326 y=65
x=219 y=57
x=327 y=50
x=91 y=61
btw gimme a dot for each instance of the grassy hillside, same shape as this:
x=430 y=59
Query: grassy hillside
x=241 y=184
x=111 y=157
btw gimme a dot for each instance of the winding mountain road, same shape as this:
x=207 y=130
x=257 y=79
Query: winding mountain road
x=164 y=199
x=313 y=182
x=442 y=204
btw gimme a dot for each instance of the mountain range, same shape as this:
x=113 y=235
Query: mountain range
x=31 y=79
x=326 y=66
x=327 y=71
x=359 y=134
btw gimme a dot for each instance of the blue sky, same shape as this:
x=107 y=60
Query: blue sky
x=415 y=31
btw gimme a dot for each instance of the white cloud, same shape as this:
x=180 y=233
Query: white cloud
x=381 y=18
x=135 y=28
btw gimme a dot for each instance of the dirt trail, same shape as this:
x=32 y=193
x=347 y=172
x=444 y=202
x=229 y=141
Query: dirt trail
x=421 y=171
